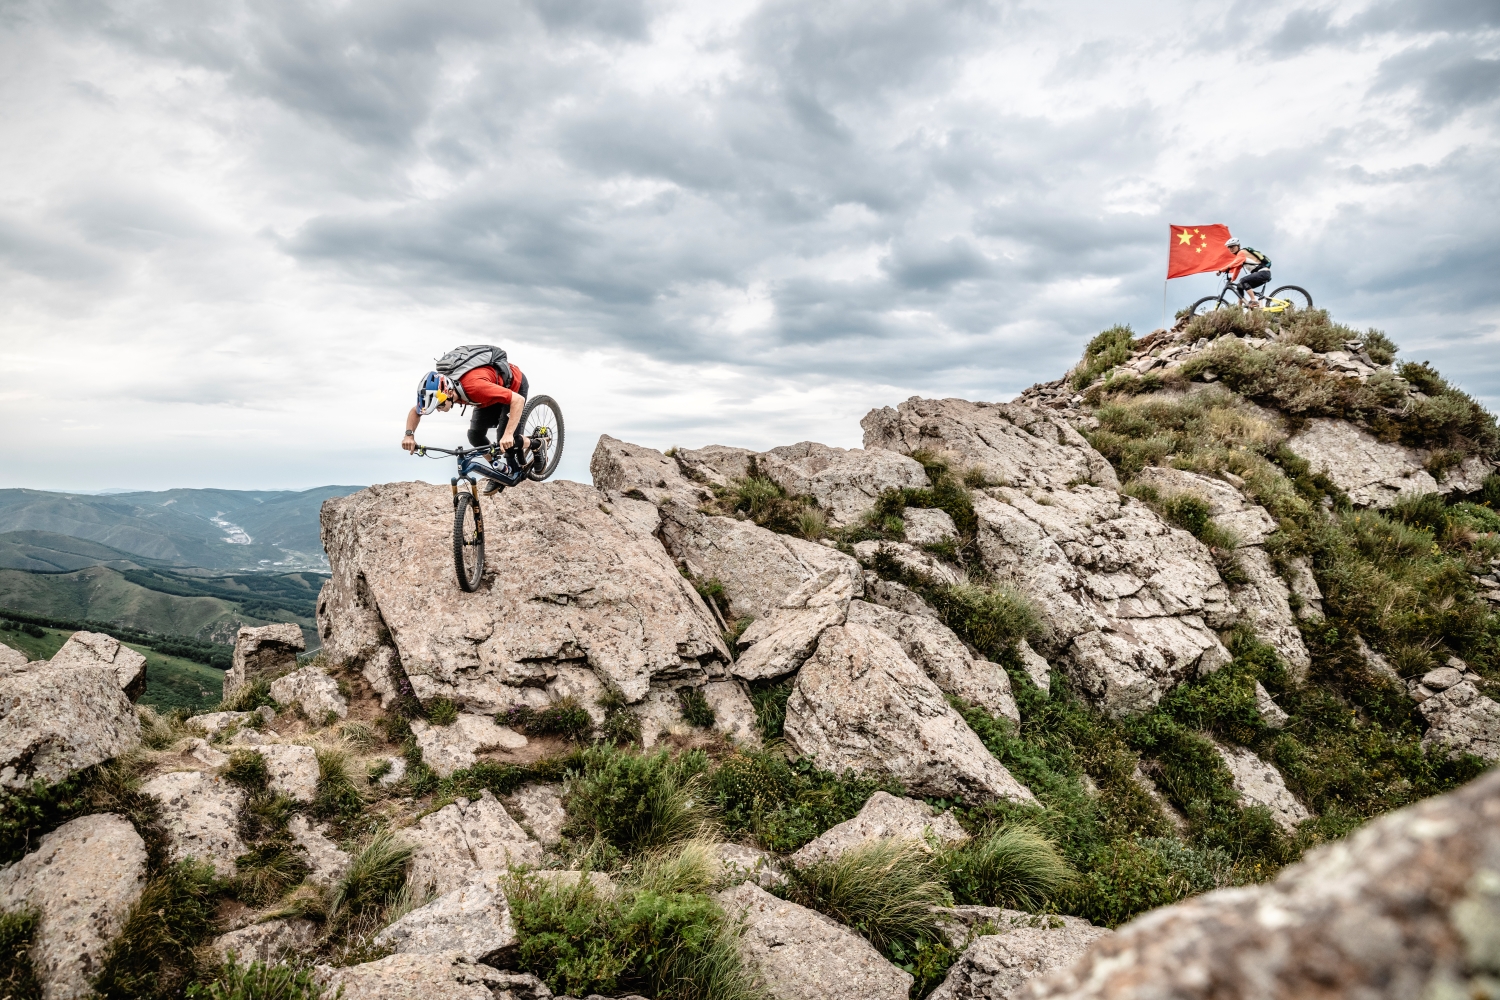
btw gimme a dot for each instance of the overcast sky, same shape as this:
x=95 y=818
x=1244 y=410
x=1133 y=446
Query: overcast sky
x=233 y=235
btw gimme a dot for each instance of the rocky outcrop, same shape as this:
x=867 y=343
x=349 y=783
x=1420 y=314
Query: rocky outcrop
x=105 y=650
x=1013 y=949
x=1460 y=720
x=760 y=570
x=924 y=565
x=472 y=920
x=82 y=880
x=269 y=941
x=1264 y=598
x=1012 y=443
x=11 y=660
x=449 y=748
x=313 y=691
x=923 y=526
x=883 y=816
x=861 y=704
x=1131 y=601
x=845 y=482
x=262 y=654
x=200 y=813
x=631 y=469
x=1407 y=906
x=539 y=808
x=293 y=769
x=326 y=862
x=444 y=976
x=781 y=642
x=58 y=718
x=799 y=954
x=943 y=657
x=579 y=586
x=1260 y=784
x=1375 y=473
x=463 y=841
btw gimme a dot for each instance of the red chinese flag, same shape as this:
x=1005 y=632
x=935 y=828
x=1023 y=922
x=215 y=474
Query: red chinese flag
x=1196 y=249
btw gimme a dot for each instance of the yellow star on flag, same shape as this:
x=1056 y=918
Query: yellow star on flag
x=1185 y=237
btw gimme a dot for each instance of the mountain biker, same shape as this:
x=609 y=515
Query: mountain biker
x=484 y=388
x=1259 y=274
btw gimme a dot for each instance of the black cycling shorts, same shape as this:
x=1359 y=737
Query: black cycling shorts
x=1254 y=280
x=487 y=417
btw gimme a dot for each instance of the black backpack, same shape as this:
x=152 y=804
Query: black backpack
x=461 y=360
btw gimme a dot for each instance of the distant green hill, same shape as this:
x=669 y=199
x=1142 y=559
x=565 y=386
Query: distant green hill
x=47 y=552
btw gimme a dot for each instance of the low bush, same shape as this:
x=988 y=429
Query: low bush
x=258 y=981
x=153 y=955
x=376 y=873
x=564 y=717
x=338 y=797
x=638 y=802
x=993 y=619
x=18 y=979
x=783 y=804
x=264 y=873
x=696 y=711
x=1105 y=351
x=1013 y=866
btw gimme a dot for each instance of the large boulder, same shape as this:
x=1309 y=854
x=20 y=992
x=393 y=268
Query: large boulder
x=845 y=482
x=860 y=704
x=883 y=816
x=292 y=769
x=943 y=657
x=1018 y=948
x=12 y=660
x=270 y=941
x=420 y=976
x=58 y=718
x=82 y=879
x=313 y=691
x=1264 y=597
x=449 y=748
x=1260 y=784
x=1407 y=906
x=634 y=470
x=326 y=861
x=1130 y=601
x=263 y=653
x=1460 y=720
x=200 y=814
x=96 y=647
x=1376 y=473
x=1012 y=443
x=465 y=841
x=473 y=920
x=572 y=584
x=799 y=954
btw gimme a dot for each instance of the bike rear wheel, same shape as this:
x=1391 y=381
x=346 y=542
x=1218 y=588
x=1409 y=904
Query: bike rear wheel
x=542 y=421
x=468 y=542
x=1295 y=294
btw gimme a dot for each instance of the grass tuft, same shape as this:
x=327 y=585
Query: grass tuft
x=638 y=802
x=249 y=698
x=1015 y=866
x=442 y=712
x=153 y=955
x=259 y=981
x=696 y=711
x=338 y=797
x=375 y=875
x=18 y=979
x=248 y=769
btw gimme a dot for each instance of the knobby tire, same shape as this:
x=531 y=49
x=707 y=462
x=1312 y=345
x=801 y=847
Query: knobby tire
x=1298 y=295
x=467 y=508
x=544 y=411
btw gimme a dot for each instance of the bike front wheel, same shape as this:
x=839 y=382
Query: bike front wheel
x=468 y=542
x=542 y=424
x=1297 y=296
x=1210 y=303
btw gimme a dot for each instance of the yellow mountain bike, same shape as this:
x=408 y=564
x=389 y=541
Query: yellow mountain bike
x=1284 y=299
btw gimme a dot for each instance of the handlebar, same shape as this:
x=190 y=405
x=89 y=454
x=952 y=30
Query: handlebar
x=423 y=449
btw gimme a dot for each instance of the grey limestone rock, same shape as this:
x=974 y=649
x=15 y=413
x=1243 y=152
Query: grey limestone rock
x=845 y=482
x=420 y=976
x=269 y=941
x=450 y=748
x=265 y=652
x=200 y=813
x=82 y=879
x=1018 y=948
x=214 y=723
x=883 y=816
x=1260 y=784
x=928 y=526
x=1406 y=906
x=96 y=647
x=1011 y=442
x=1374 y=473
x=621 y=467
x=473 y=920
x=1131 y=602
x=583 y=589
x=539 y=808
x=56 y=719
x=896 y=596
x=861 y=704
x=1036 y=666
x=327 y=860
x=1461 y=720
x=910 y=558
x=315 y=691
x=464 y=840
x=799 y=954
x=1270 y=712
x=779 y=643
x=943 y=657
x=293 y=769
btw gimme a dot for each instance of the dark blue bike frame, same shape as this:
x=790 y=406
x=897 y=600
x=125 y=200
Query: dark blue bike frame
x=472 y=462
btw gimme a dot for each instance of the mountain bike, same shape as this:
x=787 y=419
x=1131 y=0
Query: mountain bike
x=538 y=447
x=1282 y=299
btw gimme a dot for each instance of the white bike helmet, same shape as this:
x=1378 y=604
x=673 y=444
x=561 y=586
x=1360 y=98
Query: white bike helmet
x=1233 y=243
x=432 y=390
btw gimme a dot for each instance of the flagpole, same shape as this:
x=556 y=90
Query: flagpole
x=1164 y=305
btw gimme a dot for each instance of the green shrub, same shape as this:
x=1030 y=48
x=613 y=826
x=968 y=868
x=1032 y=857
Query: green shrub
x=1105 y=351
x=27 y=815
x=1013 y=866
x=248 y=769
x=266 y=871
x=696 y=711
x=993 y=619
x=638 y=802
x=18 y=980
x=259 y=981
x=1381 y=349
x=376 y=873
x=153 y=955
x=338 y=797
x=442 y=712
x=564 y=717
x=502 y=779
x=783 y=804
x=249 y=698
x=769 y=699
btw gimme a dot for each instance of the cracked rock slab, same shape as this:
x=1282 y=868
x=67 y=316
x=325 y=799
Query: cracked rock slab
x=883 y=816
x=473 y=920
x=270 y=941
x=1406 y=906
x=539 y=808
x=443 y=976
x=326 y=861
x=860 y=704
x=1260 y=784
x=105 y=650
x=781 y=642
x=845 y=482
x=1374 y=473
x=910 y=558
x=1461 y=720
x=631 y=469
x=200 y=813
x=1011 y=442
x=315 y=691
x=579 y=586
x=83 y=879
x=799 y=954
x=446 y=749
x=464 y=840
x=293 y=769
x=1024 y=946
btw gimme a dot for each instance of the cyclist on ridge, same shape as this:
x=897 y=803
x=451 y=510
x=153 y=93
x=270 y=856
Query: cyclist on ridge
x=487 y=389
x=1259 y=274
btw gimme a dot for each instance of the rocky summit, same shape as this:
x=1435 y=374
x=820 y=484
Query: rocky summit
x=1174 y=677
